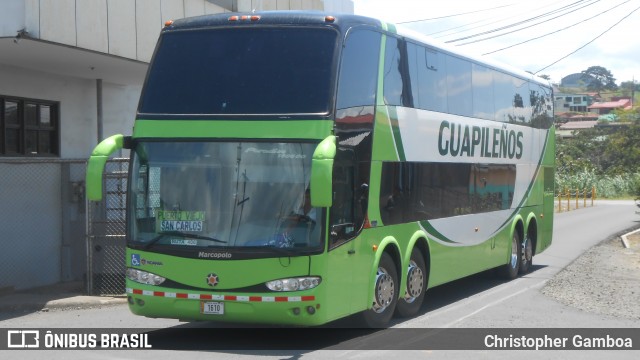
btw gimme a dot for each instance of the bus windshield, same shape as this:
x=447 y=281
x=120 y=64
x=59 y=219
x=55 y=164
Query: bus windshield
x=231 y=195
x=235 y=71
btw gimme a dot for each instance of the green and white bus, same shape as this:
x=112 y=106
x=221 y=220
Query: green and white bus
x=297 y=167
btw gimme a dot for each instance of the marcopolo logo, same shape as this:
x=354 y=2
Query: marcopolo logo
x=464 y=140
x=214 y=255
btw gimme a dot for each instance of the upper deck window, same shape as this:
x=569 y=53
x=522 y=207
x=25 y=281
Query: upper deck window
x=241 y=71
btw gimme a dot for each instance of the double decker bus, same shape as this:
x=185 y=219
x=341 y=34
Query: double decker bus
x=297 y=168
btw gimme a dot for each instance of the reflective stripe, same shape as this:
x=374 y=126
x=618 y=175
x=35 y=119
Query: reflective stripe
x=241 y=298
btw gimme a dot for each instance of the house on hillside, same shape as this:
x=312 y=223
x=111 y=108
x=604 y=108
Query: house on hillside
x=569 y=128
x=603 y=108
x=572 y=102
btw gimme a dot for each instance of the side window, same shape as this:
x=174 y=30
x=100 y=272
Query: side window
x=541 y=107
x=482 y=79
x=521 y=102
x=394 y=93
x=359 y=70
x=343 y=219
x=459 y=86
x=504 y=92
x=427 y=72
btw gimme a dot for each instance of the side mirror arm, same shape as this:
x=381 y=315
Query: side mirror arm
x=97 y=161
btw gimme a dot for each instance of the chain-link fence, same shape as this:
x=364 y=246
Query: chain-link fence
x=106 y=232
x=42 y=222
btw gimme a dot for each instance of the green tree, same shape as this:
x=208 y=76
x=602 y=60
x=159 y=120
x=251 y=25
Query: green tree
x=630 y=85
x=623 y=151
x=598 y=79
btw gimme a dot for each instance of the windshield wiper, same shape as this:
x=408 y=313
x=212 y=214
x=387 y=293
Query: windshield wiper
x=183 y=235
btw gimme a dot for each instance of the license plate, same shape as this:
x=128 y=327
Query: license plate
x=215 y=308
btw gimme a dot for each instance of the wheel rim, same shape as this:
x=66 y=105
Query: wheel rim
x=383 y=294
x=514 y=252
x=415 y=282
x=527 y=251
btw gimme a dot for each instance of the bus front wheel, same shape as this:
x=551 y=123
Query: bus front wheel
x=409 y=305
x=510 y=270
x=385 y=294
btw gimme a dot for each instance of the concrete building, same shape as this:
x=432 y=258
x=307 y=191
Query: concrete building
x=565 y=102
x=71 y=73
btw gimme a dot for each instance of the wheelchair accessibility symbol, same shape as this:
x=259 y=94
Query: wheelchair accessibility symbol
x=135 y=260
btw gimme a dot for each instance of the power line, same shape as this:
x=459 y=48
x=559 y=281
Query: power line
x=566 y=8
x=454 y=15
x=557 y=31
x=594 y=39
x=466 y=27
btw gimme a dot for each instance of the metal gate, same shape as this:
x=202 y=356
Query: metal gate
x=106 y=223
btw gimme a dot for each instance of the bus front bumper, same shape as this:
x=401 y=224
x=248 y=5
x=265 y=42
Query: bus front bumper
x=302 y=308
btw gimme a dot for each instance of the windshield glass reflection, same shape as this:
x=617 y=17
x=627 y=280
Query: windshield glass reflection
x=223 y=194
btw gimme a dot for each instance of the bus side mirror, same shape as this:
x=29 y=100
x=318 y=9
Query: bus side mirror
x=322 y=173
x=97 y=160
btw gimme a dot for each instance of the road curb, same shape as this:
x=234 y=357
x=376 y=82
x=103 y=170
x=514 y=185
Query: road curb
x=35 y=302
x=625 y=240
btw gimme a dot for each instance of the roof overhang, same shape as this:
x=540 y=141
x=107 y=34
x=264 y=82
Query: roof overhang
x=60 y=59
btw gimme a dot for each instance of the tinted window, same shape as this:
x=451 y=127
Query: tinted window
x=428 y=78
x=541 y=106
x=504 y=92
x=241 y=71
x=393 y=85
x=521 y=102
x=482 y=80
x=359 y=70
x=422 y=191
x=459 y=86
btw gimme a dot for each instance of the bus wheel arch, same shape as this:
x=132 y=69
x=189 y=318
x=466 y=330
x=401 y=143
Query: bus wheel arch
x=417 y=280
x=386 y=284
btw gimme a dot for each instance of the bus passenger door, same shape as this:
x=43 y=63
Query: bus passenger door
x=342 y=230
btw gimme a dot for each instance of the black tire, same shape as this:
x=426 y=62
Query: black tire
x=526 y=258
x=385 y=295
x=510 y=270
x=417 y=277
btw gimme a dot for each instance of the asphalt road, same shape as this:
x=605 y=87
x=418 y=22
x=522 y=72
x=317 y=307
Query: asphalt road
x=479 y=301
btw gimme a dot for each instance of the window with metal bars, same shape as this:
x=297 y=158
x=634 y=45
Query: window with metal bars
x=29 y=127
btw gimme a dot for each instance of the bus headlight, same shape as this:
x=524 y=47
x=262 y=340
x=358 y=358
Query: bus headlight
x=144 y=277
x=294 y=284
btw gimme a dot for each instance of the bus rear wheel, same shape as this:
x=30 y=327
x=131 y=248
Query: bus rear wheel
x=385 y=295
x=527 y=255
x=409 y=305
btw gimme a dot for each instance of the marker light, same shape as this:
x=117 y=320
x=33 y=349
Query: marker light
x=294 y=284
x=329 y=19
x=168 y=23
x=144 y=277
x=244 y=18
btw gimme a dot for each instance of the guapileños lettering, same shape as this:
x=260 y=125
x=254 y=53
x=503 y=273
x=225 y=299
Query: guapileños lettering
x=464 y=140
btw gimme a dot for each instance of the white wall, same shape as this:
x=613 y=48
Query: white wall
x=78 y=101
x=127 y=28
x=11 y=17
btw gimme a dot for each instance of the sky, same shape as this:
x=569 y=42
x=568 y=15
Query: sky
x=615 y=47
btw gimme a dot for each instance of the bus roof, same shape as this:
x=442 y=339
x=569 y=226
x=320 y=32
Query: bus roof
x=341 y=22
